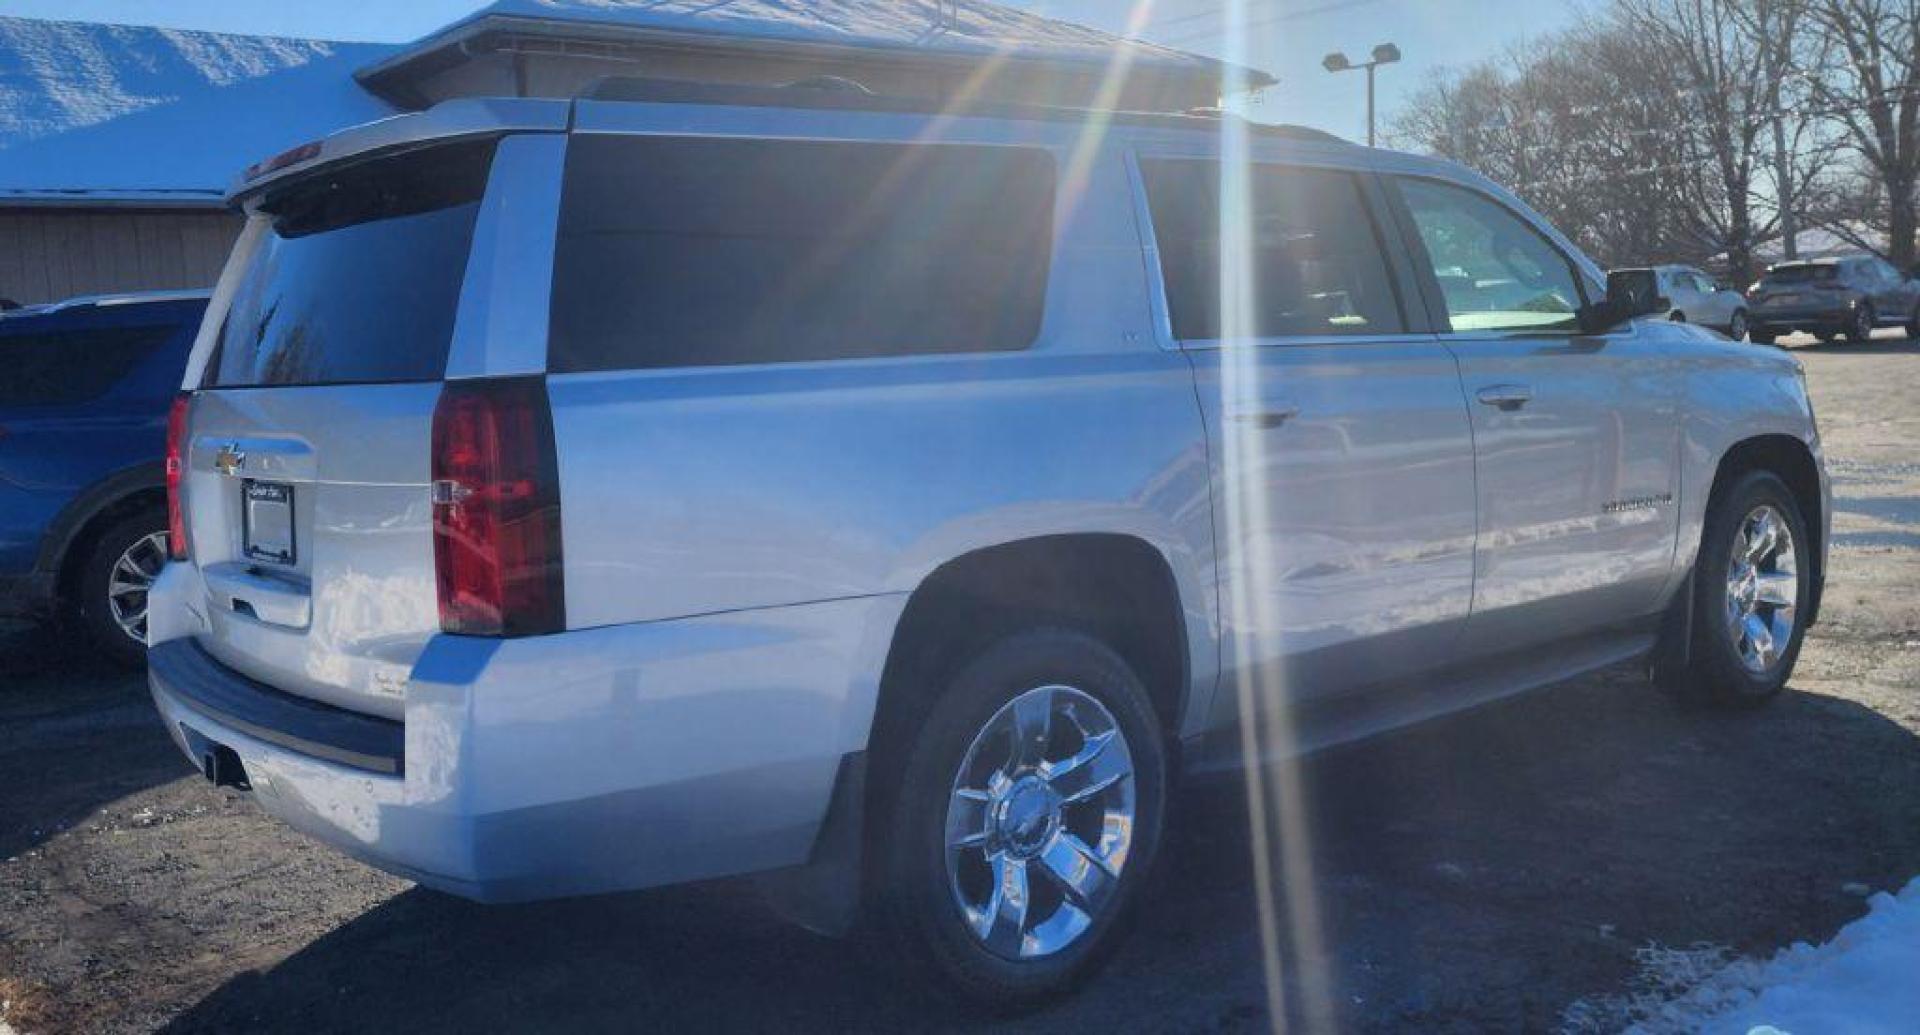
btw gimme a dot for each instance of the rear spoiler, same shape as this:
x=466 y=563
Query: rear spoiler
x=452 y=120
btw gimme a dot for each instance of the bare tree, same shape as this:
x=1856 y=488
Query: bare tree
x=1657 y=129
x=1728 y=60
x=1871 y=89
x=1578 y=124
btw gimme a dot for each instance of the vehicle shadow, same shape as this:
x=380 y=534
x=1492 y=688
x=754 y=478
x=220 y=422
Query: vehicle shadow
x=75 y=733
x=1478 y=873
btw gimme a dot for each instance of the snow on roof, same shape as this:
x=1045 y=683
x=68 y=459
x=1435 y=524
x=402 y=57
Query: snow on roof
x=965 y=27
x=94 y=113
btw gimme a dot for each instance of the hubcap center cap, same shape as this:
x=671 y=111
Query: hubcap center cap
x=1027 y=817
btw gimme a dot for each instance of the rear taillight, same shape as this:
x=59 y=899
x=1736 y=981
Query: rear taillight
x=176 y=466
x=496 y=509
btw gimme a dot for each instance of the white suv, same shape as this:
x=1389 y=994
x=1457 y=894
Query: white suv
x=585 y=495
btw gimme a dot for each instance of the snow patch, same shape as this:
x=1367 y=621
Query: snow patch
x=1862 y=982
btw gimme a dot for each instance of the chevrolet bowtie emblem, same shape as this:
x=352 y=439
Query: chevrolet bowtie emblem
x=229 y=460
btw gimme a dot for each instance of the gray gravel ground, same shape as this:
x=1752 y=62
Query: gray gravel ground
x=1494 y=871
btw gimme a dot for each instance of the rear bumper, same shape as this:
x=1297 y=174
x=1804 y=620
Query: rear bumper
x=588 y=761
x=1831 y=317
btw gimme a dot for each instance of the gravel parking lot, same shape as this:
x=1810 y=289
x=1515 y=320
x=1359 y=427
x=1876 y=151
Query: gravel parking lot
x=1498 y=870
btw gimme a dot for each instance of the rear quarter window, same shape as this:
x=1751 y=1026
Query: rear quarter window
x=72 y=367
x=686 y=252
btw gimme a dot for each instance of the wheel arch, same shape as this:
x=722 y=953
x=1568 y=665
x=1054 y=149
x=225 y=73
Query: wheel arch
x=1794 y=462
x=119 y=495
x=1117 y=586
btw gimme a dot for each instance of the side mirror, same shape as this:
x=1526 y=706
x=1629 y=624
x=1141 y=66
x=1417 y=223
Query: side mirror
x=1630 y=294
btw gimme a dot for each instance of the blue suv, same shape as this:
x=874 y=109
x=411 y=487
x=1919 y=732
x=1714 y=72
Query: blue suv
x=83 y=419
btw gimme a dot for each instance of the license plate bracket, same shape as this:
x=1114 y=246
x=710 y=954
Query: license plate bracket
x=266 y=522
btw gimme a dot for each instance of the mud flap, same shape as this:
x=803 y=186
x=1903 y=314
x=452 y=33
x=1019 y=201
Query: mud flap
x=823 y=895
x=1669 y=667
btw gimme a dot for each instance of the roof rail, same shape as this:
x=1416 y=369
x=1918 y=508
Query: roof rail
x=849 y=95
x=121 y=298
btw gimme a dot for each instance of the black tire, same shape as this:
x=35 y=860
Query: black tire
x=1715 y=674
x=917 y=910
x=1677 y=316
x=1860 y=328
x=91 y=602
x=1762 y=336
x=1913 y=325
x=1737 y=328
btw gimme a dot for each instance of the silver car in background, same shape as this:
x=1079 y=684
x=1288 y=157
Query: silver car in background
x=1694 y=297
x=676 y=482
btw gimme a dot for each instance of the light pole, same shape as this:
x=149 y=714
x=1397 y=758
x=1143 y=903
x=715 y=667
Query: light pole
x=1384 y=54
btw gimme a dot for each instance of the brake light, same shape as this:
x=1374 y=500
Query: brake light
x=291 y=156
x=496 y=509
x=176 y=467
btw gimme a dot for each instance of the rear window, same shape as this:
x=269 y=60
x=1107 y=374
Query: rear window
x=680 y=252
x=67 y=368
x=1801 y=274
x=359 y=276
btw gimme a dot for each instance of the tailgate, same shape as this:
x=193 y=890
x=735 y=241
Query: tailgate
x=308 y=448
x=309 y=518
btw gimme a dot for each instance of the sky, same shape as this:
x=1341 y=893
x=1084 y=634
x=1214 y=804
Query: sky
x=1287 y=37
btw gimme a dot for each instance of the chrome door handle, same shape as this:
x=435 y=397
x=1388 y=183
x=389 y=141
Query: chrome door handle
x=1271 y=418
x=1506 y=397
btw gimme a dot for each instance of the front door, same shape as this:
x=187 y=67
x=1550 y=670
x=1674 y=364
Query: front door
x=1576 y=435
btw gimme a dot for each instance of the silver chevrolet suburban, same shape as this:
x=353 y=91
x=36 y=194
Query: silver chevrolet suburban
x=895 y=503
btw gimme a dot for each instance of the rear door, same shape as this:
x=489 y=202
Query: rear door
x=1341 y=450
x=1715 y=306
x=308 y=450
x=1892 y=294
x=1576 y=436
x=1683 y=295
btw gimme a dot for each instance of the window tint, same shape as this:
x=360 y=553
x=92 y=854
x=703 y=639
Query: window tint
x=67 y=368
x=359 y=276
x=1495 y=271
x=1802 y=273
x=677 y=252
x=1317 y=267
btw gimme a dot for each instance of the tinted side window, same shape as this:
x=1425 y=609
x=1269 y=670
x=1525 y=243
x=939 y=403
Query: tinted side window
x=679 y=252
x=67 y=368
x=1316 y=262
x=1495 y=270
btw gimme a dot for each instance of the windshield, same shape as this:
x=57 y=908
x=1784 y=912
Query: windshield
x=359 y=274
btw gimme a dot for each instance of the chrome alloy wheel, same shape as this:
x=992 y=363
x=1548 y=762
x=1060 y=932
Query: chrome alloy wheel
x=131 y=578
x=1040 y=821
x=1763 y=589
